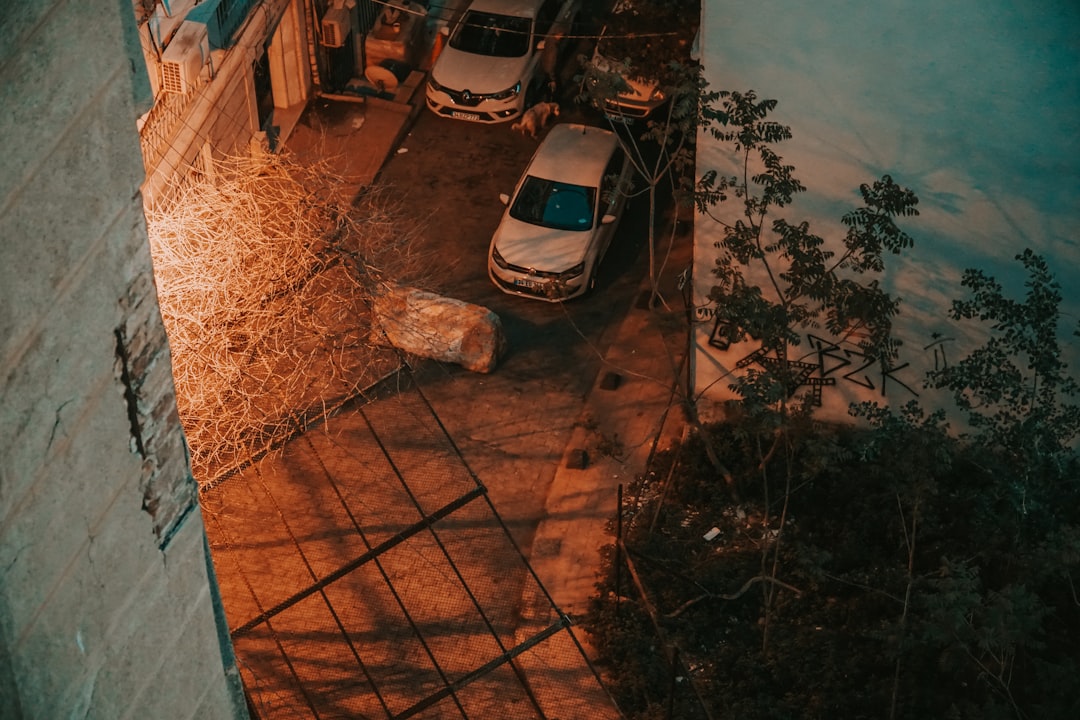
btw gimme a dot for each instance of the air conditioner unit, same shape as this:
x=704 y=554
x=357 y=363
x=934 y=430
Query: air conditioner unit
x=336 y=26
x=184 y=58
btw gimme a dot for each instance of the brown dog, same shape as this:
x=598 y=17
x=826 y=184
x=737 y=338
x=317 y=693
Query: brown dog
x=533 y=120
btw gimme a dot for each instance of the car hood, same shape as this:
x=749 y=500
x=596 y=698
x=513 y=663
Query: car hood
x=479 y=74
x=540 y=248
x=639 y=88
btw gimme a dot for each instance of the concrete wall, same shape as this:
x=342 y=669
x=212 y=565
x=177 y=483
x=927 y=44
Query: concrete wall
x=107 y=604
x=972 y=104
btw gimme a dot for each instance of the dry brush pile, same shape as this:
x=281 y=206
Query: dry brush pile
x=264 y=279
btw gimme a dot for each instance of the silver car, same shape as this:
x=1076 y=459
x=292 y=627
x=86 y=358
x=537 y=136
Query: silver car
x=562 y=216
x=492 y=64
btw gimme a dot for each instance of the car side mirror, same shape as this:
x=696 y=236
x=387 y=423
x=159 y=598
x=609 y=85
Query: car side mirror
x=607 y=219
x=505 y=198
x=444 y=30
x=540 y=45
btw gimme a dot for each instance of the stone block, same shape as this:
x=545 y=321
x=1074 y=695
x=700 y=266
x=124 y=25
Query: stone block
x=440 y=328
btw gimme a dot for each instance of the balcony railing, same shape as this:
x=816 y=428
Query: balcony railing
x=223 y=18
x=162 y=122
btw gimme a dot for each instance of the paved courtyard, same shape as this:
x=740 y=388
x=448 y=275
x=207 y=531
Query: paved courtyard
x=366 y=574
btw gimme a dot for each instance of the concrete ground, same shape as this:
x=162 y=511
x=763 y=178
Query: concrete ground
x=633 y=402
x=308 y=528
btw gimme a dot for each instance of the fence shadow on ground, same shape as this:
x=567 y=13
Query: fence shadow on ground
x=366 y=574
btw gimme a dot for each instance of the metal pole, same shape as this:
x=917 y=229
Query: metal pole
x=618 y=549
x=674 y=676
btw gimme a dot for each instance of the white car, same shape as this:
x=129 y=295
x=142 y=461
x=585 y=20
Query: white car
x=561 y=218
x=635 y=97
x=492 y=60
x=632 y=56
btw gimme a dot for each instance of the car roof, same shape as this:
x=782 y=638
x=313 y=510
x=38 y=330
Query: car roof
x=517 y=8
x=573 y=153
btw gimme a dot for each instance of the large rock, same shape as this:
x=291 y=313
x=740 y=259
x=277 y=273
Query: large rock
x=441 y=328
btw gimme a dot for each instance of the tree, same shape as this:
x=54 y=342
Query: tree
x=912 y=453
x=1015 y=390
x=1006 y=529
x=649 y=41
x=930 y=574
x=776 y=278
x=994 y=611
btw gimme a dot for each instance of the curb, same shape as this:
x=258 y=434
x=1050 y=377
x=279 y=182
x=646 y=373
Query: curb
x=627 y=416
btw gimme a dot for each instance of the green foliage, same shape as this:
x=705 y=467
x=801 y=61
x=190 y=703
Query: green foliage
x=1016 y=389
x=624 y=640
x=908 y=559
x=1000 y=535
x=992 y=618
x=776 y=279
x=906 y=572
x=990 y=625
x=651 y=40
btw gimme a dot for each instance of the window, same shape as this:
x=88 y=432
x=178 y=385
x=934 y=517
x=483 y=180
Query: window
x=492 y=35
x=554 y=204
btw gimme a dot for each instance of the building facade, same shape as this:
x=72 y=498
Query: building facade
x=228 y=73
x=223 y=73
x=108 y=602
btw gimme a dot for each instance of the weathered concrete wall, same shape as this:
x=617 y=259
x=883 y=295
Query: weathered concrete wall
x=107 y=606
x=971 y=104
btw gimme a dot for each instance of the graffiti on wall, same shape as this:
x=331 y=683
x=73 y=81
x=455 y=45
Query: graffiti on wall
x=854 y=366
x=830 y=362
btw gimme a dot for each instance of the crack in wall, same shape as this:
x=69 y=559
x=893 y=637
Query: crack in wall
x=130 y=397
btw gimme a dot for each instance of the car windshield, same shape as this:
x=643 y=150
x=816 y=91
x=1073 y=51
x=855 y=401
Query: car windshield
x=554 y=204
x=493 y=35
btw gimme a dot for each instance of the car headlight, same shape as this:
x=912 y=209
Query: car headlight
x=498 y=259
x=573 y=272
x=434 y=85
x=657 y=95
x=507 y=93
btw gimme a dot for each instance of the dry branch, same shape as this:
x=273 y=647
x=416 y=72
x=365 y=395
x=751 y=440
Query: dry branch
x=731 y=596
x=263 y=279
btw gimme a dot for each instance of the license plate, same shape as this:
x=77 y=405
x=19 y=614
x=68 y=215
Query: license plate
x=531 y=284
x=464 y=115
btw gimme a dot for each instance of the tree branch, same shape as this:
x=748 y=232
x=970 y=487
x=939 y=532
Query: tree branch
x=732 y=596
